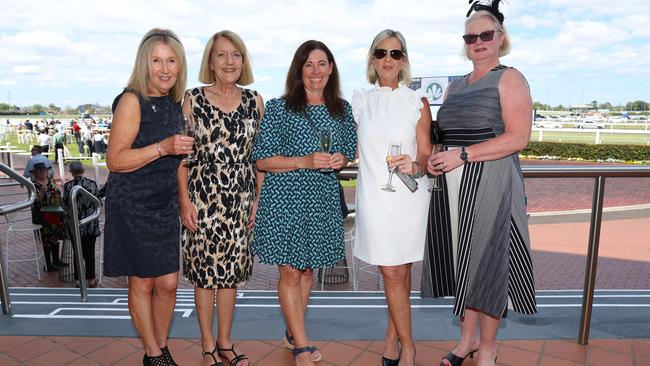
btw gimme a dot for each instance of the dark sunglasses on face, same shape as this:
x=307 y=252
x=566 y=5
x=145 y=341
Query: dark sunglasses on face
x=394 y=54
x=486 y=36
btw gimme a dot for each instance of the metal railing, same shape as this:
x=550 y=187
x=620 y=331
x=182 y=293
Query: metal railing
x=76 y=240
x=7 y=209
x=599 y=173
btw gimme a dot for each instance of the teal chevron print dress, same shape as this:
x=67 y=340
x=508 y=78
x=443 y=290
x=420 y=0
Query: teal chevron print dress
x=298 y=220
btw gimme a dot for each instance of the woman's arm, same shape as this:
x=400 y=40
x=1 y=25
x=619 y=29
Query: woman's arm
x=516 y=111
x=121 y=157
x=423 y=140
x=283 y=164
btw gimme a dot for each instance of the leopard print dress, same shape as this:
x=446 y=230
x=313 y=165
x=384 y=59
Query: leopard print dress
x=221 y=184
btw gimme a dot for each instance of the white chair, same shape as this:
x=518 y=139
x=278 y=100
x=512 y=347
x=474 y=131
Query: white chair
x=26 y=227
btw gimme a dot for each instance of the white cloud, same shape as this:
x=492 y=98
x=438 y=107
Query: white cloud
x=86 y=49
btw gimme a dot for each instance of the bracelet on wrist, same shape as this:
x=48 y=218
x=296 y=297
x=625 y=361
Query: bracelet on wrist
x=159 y=150
x=418 y=173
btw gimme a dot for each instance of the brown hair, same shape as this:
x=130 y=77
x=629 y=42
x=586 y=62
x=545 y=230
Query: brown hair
x=295 y=94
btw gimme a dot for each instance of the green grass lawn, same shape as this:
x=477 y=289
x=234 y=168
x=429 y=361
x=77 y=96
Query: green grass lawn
x=12 y=139
x=590 y=137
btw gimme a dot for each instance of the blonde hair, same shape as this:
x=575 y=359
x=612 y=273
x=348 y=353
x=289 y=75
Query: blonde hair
x=206 y=75
x=404 y=75
x=140 y=76
x=505 y=45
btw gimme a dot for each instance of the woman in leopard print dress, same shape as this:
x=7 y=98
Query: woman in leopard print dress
x=218 y=205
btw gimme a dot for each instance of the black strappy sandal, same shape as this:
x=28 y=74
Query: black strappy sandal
x=456 y=360
x=238 y=357
x=168 y=356
x=211 y=354
x=290 y=343
x=296 y=351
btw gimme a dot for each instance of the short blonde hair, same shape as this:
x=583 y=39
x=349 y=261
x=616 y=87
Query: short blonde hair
x=206 y=75
x=404 y=75
x=505 y=46
x=140 y=77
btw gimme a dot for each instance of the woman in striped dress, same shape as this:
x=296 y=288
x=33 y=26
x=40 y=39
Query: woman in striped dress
x=478 y=244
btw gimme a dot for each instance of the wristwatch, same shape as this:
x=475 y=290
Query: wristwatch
x=463 y=155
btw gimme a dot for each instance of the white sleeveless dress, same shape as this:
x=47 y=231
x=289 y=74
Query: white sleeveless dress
x=391 y=226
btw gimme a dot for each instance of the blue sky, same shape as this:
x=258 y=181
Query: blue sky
x=76 y=52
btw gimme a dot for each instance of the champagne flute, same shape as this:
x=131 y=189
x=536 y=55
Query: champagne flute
x=189 y=130
x=325 y=139
x=394 y=149
x=436 y=140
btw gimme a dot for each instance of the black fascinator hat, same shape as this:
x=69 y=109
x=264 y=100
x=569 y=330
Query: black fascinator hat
x=493 y=8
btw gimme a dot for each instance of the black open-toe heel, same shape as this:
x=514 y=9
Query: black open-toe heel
x=168 y=356
x=238 y=357
x=154 y=361
x=457 y=360
x=211 y=354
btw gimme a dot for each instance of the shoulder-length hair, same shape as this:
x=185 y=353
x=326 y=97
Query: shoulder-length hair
x=505 y=46
x=140 y=76
x=295 y=95
x=206 y=75
x=404 y=75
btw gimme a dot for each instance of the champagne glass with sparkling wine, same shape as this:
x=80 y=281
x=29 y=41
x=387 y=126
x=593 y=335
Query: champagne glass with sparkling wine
x=325 y=138
x=436 y=140
x=394 y=150
x=189 y=130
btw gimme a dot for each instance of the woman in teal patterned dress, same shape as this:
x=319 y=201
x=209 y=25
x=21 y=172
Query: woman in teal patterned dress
x=298 y=225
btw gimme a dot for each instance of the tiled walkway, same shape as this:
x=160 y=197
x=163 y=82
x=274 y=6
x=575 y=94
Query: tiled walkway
x=91 y=351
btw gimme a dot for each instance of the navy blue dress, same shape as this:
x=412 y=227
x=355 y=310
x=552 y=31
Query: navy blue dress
x=142 y=229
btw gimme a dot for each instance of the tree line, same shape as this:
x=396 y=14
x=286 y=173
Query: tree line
x=53 y=109
x=636 y=106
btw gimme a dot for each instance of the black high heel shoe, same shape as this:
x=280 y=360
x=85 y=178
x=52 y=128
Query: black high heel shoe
x=239 y=357
x=168 y=356
x=154 y=361
x=457 y=360
x=388 y=362
x=211 y=354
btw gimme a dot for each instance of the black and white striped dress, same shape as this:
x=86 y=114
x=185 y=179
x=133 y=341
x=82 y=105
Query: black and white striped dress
x=478 y=247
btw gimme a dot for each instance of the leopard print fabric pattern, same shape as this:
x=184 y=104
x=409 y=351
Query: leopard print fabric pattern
x=221 y=184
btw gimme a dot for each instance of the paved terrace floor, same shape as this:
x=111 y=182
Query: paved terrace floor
x=559 y=247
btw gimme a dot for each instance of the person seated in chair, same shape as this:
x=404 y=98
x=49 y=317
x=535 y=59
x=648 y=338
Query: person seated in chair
x=89 y=231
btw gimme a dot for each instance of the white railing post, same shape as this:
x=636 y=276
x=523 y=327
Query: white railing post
x=96 y=167
x=61 y=166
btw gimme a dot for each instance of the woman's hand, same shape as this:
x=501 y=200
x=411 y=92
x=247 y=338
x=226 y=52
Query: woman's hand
x=403 y=163
x=316 y=160
x=176 y=145
x=251 y=218
x=189 y=215
x=338 y=161
x=444 y=161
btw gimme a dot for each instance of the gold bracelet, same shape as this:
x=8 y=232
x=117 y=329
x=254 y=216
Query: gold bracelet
x=159 y=151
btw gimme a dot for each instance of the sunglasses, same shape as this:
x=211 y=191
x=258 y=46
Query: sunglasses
x=394 y=54
x=486 y=36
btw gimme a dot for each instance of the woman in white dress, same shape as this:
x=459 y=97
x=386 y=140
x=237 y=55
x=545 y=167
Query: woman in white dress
x=390 y=231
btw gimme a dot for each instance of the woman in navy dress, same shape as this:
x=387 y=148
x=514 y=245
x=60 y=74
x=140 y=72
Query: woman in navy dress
x=142 y=225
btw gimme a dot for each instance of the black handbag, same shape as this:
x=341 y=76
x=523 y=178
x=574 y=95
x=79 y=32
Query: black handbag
x=344 y=206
